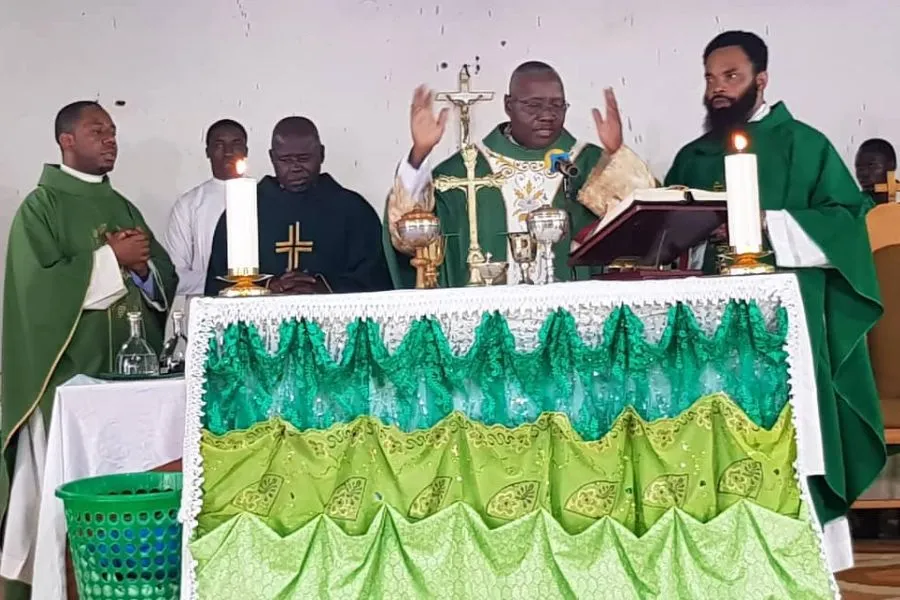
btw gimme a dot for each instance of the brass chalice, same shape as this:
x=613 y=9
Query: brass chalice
x=418 y=229
x=523 y=250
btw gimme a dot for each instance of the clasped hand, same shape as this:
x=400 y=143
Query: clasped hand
x=132 y=250
x=295 y=282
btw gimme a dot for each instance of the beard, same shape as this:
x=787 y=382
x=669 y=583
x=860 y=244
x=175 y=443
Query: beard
x=722 y=121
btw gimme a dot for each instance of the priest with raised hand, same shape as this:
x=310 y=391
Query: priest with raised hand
x=79 y=258
x=315 y=236
x=536 y=106
x=815 y=222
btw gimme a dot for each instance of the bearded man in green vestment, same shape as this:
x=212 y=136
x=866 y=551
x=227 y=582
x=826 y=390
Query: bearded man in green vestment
x=536 y=106
x=815 y=222
x=80 y=258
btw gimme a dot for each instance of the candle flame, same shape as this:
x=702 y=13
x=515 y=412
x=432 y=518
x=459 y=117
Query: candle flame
x=740 y=142
x=240 y=167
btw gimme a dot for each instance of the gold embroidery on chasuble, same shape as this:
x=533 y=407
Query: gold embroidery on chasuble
x=98 y=236
x=293 y=246
x=528 y=185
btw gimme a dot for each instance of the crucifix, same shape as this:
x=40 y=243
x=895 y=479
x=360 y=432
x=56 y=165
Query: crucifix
x=293 y=247
x=471 y=184
x=891 y=186
x=463 y=99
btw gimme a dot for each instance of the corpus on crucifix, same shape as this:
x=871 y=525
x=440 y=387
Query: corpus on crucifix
x=463 y=99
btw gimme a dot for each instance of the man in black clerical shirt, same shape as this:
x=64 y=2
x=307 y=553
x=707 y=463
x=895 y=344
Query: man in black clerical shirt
x=314 y=235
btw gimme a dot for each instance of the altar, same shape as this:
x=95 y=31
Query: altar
x=593 y=439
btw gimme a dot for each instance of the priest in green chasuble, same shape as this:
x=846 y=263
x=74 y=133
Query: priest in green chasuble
x=536 y=106
x=815 y=223
x=79 y=258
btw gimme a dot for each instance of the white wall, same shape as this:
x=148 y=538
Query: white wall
x=351 y=65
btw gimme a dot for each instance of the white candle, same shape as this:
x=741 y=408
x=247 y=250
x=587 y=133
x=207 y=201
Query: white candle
x=242 y=226
x=742 y=188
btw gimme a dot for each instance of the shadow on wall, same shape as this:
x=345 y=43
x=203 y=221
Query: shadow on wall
x=143 y=170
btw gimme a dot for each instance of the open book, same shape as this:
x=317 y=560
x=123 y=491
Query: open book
x=668 y=195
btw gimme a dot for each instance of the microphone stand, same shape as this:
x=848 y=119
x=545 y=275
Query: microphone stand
x=569 y=198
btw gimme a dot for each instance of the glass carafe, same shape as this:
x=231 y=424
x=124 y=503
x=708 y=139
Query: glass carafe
x=171 y=360
x=136 y=356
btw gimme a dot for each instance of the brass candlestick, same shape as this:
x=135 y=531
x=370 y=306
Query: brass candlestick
x=245 y=283
x=745 y=263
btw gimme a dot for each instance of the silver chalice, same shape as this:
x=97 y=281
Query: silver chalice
x=523 y=250
x=548 y=226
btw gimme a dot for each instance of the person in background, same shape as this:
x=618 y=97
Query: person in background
x=874 y=159
x=196 y=212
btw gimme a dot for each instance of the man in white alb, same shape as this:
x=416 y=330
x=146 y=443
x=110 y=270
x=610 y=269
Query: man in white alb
x=195 y=214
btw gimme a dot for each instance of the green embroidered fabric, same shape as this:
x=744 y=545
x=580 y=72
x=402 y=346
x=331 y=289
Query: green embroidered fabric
x=422 y=380
x=706 y=459
x=746 y=552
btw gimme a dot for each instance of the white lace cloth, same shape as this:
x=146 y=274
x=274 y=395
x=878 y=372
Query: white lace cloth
x=525 y=309
x=97 y=428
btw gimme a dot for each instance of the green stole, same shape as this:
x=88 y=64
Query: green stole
x=47 y=337
x=450 y=207
x=800 y=171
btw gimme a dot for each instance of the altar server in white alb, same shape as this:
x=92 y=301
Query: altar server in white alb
x=195 y=214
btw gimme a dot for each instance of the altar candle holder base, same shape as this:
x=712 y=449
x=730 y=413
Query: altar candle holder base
x=244 y=284
x=745 y=263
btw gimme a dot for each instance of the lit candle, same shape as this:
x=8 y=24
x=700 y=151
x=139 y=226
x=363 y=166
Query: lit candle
x=241 y=222
x=742 y=187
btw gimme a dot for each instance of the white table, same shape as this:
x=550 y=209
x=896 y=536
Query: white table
x=100 y=428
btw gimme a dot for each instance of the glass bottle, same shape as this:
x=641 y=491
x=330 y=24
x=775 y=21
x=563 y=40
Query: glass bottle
x=171 y=360
x=136 y=356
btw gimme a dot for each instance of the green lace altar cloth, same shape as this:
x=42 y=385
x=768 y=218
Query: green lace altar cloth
x=745 y=553
x=422 y=380
x=702 y=461
x=572 y=441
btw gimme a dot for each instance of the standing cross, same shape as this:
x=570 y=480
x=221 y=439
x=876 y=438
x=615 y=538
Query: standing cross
x=293 y=247
x=891 y=186
x=471 y=184
x=463 y=99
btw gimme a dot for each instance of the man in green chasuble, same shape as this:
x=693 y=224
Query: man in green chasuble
x=536 y=106
x=80 y=257
x=815 y=222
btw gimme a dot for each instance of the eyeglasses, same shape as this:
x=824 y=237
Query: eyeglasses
x=536 y=107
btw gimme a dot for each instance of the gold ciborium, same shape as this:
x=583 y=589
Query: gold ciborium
x=523 y=250
x=419 y=229
x=434 y=254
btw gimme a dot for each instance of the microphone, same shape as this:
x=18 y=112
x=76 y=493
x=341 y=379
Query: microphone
x=557 y=161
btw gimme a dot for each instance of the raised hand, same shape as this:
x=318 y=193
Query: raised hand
x=426 y=129
x=609 y=129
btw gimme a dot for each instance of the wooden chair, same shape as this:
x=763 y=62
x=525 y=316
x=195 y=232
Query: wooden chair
x=883 y=223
